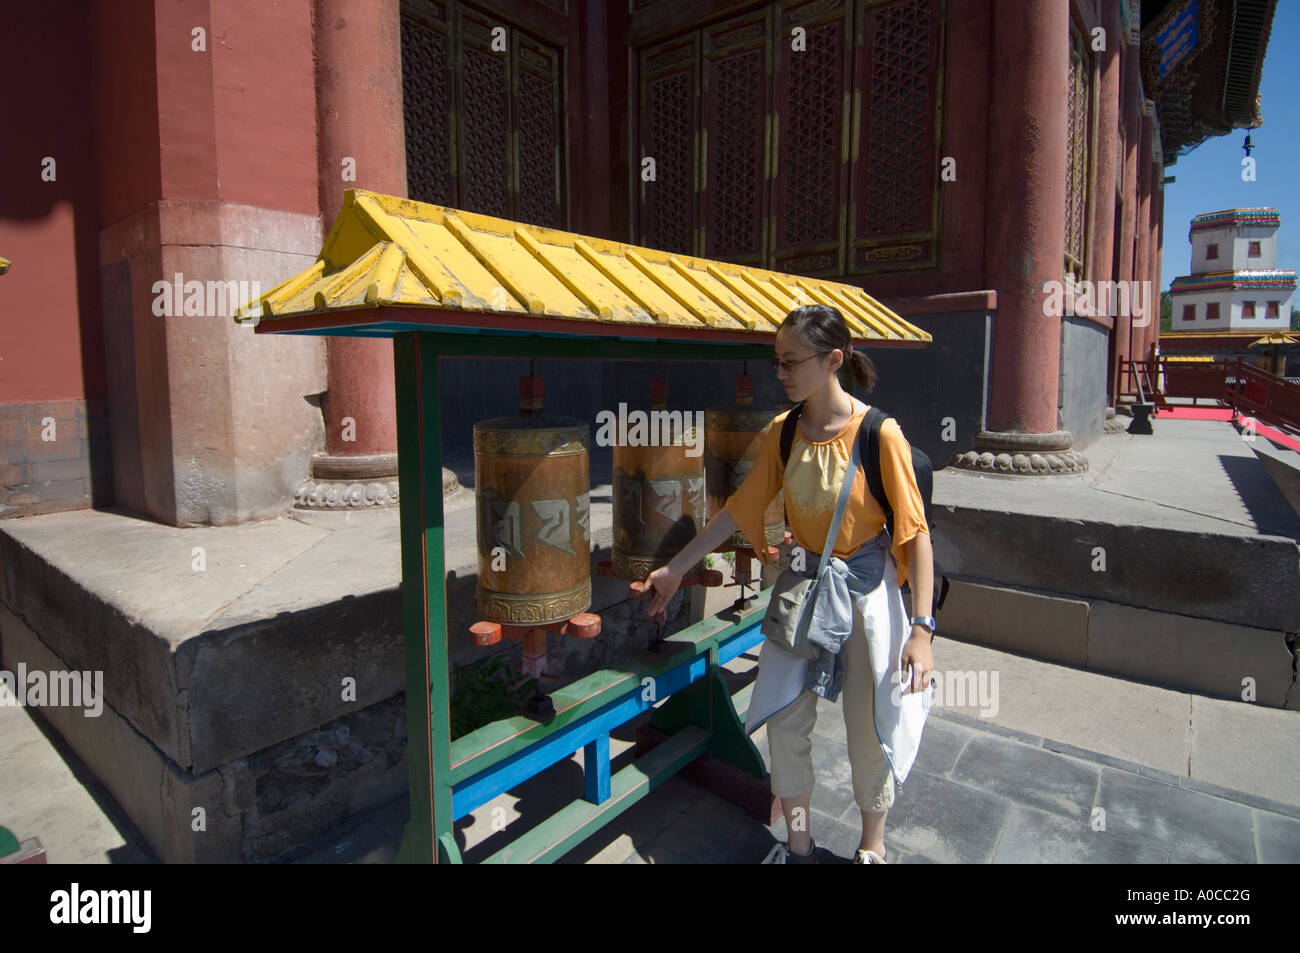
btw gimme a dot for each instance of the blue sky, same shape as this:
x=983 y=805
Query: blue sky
x=1209 y=178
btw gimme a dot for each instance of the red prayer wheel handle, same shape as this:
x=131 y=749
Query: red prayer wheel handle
x=584 y=625
x=485 y=633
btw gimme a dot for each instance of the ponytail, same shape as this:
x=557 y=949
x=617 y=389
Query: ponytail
x=822 y=328
x=863 y=368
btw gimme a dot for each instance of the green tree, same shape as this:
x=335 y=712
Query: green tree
x=1167 y=311
x=1295 y=319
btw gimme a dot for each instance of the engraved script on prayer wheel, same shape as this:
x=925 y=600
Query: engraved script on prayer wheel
x=658 y=498
x=730 y=445
x=531 y=476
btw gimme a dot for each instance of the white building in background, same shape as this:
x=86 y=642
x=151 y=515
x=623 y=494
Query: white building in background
x=1235 y=284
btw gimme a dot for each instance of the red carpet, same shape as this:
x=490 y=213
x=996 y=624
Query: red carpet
x=1225 y=413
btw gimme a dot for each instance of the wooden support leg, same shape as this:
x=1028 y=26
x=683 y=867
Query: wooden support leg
x=534 y=664
x=732 y=768
x=595 y=767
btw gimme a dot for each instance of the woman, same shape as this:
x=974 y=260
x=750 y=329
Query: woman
x=812 y=345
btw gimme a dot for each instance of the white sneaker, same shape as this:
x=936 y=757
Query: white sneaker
x=865 y=856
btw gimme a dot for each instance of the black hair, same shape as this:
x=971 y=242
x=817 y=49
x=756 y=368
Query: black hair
x=822 y=328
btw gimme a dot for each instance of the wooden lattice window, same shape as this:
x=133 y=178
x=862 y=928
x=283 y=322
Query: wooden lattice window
x=668 y=126
x=484 y=126
x=752 y=120
x=426 y=105
x=896 y=95
x=1078 y=152
x=736 y=95
x=810 y=181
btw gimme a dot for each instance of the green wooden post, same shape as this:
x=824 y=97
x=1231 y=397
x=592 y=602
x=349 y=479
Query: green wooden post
x=428 y=837
x=707 y=704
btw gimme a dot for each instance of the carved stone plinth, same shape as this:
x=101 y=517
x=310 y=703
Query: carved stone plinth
x=1022 y=454
x=1113 y=424
x=347 y=483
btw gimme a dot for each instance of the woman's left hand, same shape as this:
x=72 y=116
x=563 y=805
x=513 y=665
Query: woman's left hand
x=917 y=654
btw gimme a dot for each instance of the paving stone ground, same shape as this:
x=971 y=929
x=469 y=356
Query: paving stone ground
x=979 y=793
x=976 y=795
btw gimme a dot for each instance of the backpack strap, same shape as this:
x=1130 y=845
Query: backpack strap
x=787 y=431
x=869 y=435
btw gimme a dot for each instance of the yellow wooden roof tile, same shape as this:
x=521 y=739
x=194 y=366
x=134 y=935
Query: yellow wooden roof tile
x=394 y=264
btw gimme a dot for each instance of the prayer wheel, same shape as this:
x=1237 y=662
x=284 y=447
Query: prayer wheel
x=730 y=444
x=658 y=494
x=532 y=487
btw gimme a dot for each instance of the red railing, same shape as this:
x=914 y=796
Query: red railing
x=1253 y=392
x=1139 y=381
x=1247 y=389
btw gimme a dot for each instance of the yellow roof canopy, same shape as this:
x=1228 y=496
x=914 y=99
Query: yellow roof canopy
x=391 y=265
x=1275 y=337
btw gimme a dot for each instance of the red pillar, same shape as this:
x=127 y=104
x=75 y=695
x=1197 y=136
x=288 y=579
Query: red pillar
x=1157 y=231
x=1024 y=239
x=1026 y=202
x=1158 y=244
x=361 y=134
x=1109 y=168
x=1107 y=149
x=1142 y=263
x=1131 y=113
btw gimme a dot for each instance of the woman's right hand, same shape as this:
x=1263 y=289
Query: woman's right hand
x=665 y=582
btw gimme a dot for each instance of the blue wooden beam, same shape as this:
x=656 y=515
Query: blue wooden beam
x=475 y=791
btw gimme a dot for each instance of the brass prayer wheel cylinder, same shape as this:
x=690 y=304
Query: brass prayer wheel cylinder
x=532 y=488
x=659 y=504
x=730 y=445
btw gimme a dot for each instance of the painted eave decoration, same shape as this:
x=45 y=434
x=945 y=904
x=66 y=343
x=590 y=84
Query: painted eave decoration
x=1263 y=216
x=1277 y=279
x=391 y=264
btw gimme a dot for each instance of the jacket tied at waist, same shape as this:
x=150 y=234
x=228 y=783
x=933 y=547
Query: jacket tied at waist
x=867 y=582
x=846 y=584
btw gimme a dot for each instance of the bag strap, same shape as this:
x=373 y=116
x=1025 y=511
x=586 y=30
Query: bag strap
x=850 y=472
x=869 y=433
x=787 y=431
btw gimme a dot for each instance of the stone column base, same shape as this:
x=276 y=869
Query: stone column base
x=1022 y=454
x=342 y=483
x=1113 y=424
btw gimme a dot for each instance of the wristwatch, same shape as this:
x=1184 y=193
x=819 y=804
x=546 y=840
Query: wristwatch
x=925 y=621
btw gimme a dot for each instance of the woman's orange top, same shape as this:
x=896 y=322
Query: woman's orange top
x=811 y=482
